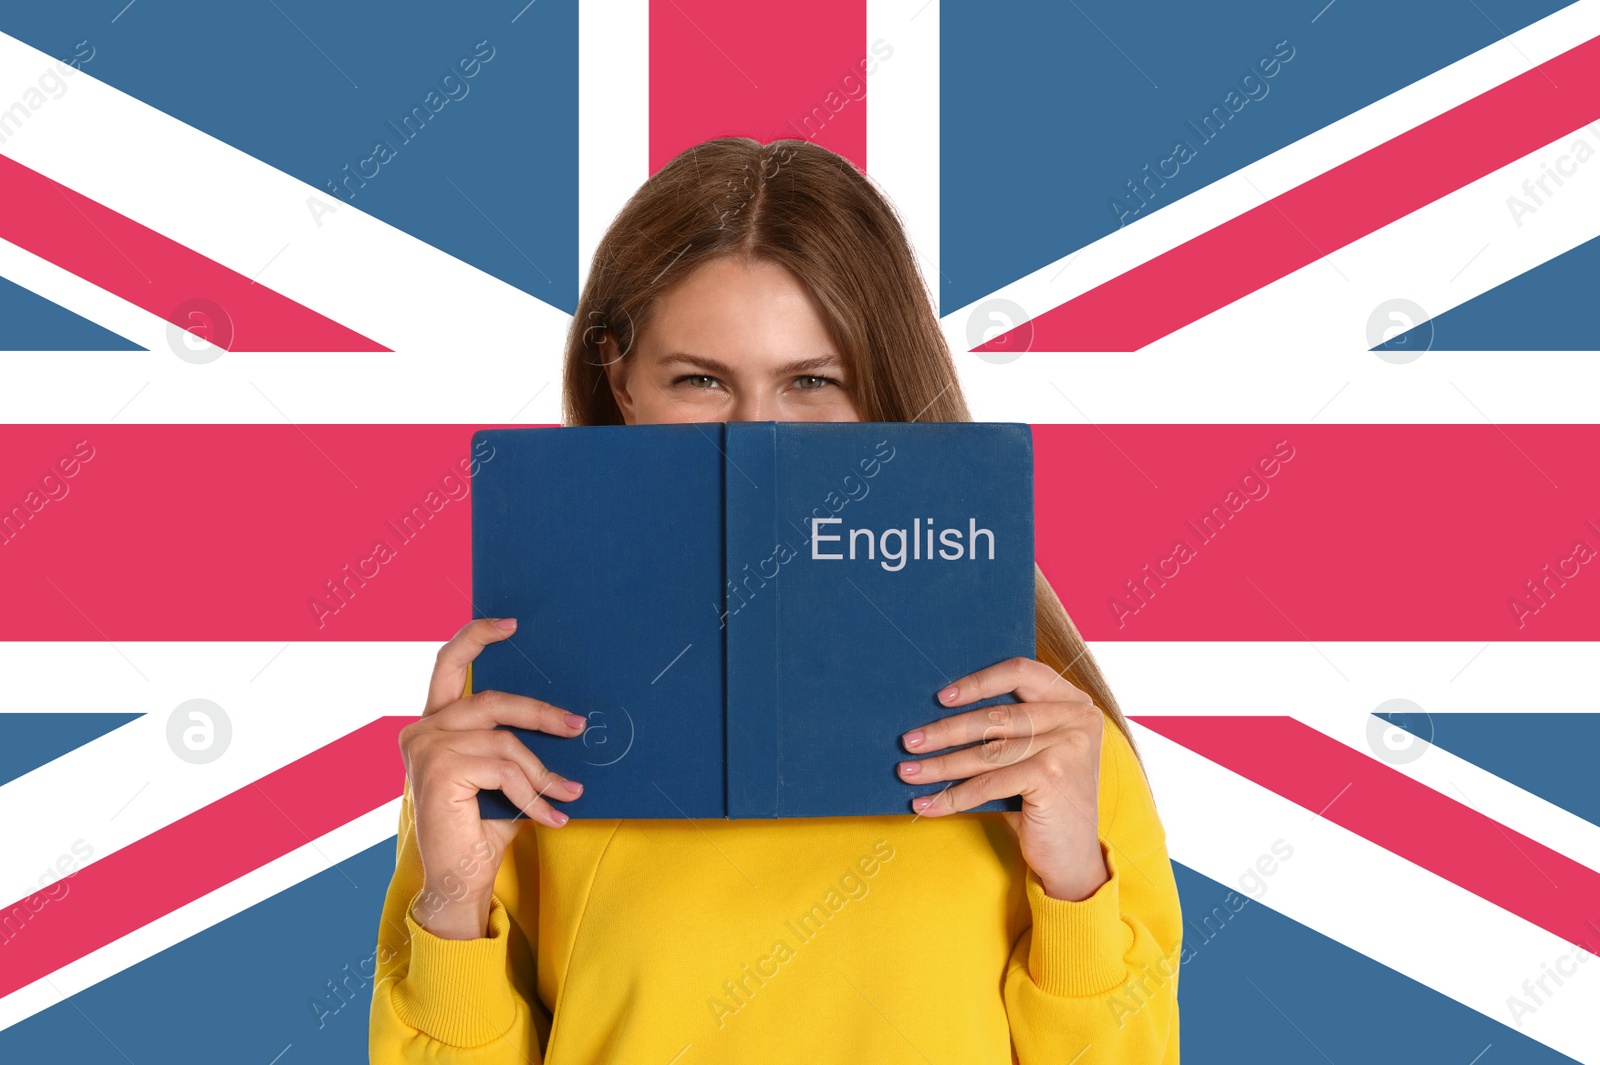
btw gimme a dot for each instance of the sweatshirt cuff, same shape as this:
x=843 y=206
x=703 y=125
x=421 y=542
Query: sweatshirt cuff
x=458 y=991
x=1078 y=947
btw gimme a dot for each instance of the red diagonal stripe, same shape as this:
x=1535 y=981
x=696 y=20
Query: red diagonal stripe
x=1397 y=813
x=160 y=275
x=213 y=846
x=1315 y=219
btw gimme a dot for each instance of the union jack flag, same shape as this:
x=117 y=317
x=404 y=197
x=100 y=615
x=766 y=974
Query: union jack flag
x=1298 y=299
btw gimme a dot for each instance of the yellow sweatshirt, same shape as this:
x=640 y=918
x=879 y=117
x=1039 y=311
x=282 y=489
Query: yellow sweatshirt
x=920 y=940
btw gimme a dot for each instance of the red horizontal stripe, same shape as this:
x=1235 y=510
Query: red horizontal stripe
x=213 y=846
x=160 y=275
x=1321 y=216
x=722 y=68
x=1397 y=813
x=1369 y=532
x=233 y=532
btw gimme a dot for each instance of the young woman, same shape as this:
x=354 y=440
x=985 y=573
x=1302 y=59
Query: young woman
x=751 y=282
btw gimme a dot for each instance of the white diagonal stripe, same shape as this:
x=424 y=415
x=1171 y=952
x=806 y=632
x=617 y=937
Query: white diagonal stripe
x=128 y=783
x=453 y=327
x=1362 y=896
x=1282 y=353
x=254 y=887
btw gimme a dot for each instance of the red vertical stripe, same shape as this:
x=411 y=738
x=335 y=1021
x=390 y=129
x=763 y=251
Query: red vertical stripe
x=720 y=68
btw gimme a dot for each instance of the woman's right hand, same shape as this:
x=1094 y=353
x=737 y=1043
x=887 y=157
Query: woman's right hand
x=453 y=752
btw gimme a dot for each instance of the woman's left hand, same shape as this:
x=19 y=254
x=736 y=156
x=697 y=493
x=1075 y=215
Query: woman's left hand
x=1045 y=748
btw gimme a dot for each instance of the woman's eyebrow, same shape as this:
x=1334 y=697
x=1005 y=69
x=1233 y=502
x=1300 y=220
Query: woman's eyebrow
x=805 y=366
x=797 y=367
x=699 y=362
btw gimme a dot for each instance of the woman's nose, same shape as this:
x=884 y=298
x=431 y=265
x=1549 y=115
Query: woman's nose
x=752 y=407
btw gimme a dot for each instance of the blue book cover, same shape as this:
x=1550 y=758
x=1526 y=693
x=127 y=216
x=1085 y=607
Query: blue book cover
x=749 y=614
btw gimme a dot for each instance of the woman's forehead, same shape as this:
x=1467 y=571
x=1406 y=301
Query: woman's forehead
x=737 y=313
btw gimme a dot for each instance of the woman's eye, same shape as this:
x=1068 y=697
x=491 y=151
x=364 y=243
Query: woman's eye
x=809 y=382
x=697 y=380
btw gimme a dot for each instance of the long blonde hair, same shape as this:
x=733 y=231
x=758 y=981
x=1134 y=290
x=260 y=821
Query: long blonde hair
x=806 y=208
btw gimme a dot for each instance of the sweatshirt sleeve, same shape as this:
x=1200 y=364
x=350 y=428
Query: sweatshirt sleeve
x=1096 y=980
x=452 y=1002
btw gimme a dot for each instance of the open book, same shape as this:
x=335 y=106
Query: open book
x=749 y=614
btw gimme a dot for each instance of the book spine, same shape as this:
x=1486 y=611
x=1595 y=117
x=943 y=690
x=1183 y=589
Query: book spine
x=751 y=618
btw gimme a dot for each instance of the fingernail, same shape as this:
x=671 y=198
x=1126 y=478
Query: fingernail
x=914 y=739
x=558 y=817
x=505 y=624
x=909 y=769
x=574 y=787
x=949 y=694
x=573 y=721
x=922 y=803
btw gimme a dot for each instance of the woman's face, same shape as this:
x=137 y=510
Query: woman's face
x=735 y=341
